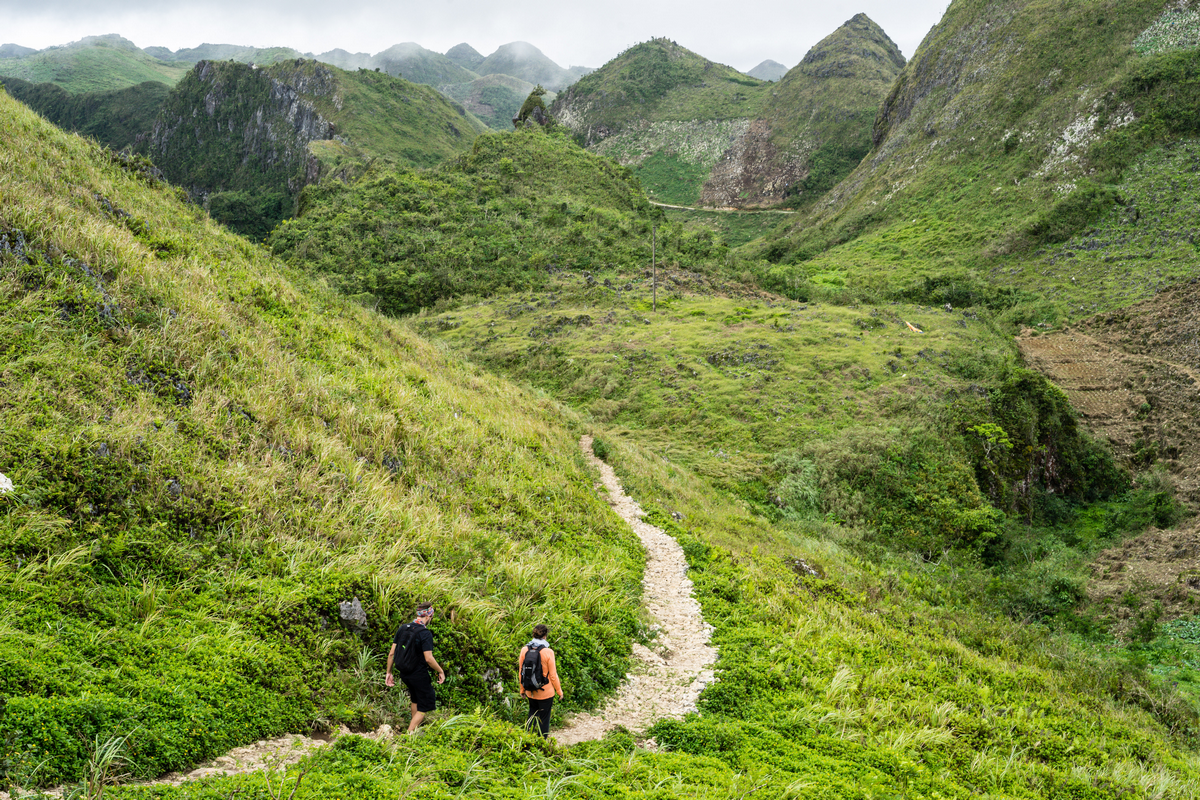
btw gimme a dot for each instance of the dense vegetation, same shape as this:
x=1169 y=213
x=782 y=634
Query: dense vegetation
x=517 y=209
x=247 y=140
x=115 y=118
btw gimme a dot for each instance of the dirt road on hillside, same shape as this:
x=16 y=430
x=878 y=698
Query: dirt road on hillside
x=667 y=680
x=1134 y=378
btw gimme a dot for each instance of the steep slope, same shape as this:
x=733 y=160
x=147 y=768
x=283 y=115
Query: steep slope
x=93 y=64
x=208 y=454
x=664 y=111
x=250 y=139
x=523 y=60
x=116 y=118
x=414 y=63
x=768 y=71
x=1028 y=157
x=816 y=125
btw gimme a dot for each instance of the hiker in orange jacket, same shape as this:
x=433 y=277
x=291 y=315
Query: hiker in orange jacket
x=541 y=699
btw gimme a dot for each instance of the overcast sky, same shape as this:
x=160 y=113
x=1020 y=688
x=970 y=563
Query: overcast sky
x=740 y=34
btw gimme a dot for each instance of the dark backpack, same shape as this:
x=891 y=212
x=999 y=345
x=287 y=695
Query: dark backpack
x=409 y=657
x=532 y=677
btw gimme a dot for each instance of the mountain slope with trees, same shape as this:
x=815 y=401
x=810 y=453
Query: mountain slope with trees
x=115 y=118
x=1028 y=158
x=248 y=140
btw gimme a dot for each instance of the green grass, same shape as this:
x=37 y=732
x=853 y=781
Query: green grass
x=94 y=64
x=1047 y=198
x=735 y=228
x=670 y=179
x=210 y=452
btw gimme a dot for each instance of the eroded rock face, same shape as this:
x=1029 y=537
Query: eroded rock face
x=226 y=118
x=820 y=116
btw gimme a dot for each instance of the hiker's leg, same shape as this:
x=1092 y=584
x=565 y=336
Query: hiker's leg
x=417 y=718
x=533 y=715
x=540 y=710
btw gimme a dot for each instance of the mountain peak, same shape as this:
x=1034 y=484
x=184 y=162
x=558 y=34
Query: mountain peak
x=857 y=45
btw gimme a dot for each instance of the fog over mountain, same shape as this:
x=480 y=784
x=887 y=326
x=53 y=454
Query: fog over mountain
x=575 y=34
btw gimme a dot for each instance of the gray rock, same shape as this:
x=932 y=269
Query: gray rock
x=6 y=485
x=353 y=616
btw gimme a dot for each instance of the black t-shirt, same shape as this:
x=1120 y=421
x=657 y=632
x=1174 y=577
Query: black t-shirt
x=412 y=641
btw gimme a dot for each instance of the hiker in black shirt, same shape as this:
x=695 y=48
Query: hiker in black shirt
x=412 y=653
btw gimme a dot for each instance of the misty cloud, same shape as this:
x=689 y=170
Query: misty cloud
x=588 y=34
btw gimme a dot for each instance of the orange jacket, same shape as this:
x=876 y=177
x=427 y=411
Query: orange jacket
x=548 y=669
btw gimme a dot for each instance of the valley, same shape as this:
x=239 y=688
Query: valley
x=841 y=422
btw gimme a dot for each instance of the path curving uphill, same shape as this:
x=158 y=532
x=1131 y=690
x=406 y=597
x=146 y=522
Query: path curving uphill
x=665 y=681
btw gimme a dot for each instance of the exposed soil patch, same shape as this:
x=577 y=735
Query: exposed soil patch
x=1134 y=377
x=665 y=681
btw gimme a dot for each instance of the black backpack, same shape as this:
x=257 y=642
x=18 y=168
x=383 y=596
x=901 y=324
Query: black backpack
x=409 y=657
x=532 y=677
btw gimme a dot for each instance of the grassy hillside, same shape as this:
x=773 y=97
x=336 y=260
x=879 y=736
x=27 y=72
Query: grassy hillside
x=209 y=453
x=664 y=111
x=93 y=64
x=248 y=140
x=816 y=125
x=1027 y=176
x=113 y=118
x=519 y=208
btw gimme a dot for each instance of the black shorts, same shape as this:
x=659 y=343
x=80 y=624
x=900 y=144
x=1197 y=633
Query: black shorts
x=420 y=690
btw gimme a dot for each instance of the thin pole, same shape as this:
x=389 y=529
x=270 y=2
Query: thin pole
x=654 y=262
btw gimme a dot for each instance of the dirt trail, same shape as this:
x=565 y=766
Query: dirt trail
x=1134 y=377
x=665 y=681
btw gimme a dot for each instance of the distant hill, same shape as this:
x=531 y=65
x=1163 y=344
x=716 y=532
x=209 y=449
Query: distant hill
x=523 y=60
x=414 y=63
x=465 y=56
x=15 y=51
x=816 y=125
x=346 y=60
x=115 y=118
x=92 y=64
x=226 y=52
x=248 y=140
x=664 y=111
x=768 y=71
x=494 y=99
